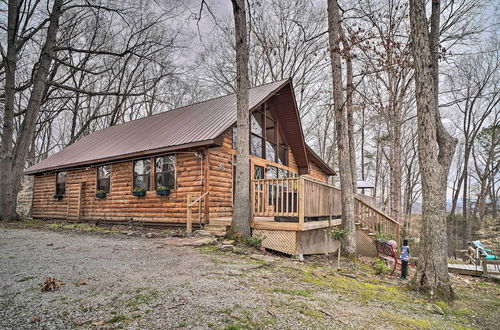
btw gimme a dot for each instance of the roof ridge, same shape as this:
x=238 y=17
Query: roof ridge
x=191 y=104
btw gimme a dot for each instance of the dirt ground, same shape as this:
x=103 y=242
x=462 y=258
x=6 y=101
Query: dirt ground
x=117 y=281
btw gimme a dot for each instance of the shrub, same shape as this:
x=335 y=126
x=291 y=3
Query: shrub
x=383 y=237
x=380 y=267
x=255 y=241
x=337 y=233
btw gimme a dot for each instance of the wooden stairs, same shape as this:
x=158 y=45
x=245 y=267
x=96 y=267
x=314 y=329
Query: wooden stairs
x=216 y=227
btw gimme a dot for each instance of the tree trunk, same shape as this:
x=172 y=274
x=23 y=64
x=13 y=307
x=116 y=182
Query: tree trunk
x=7 y=195
x=466 y=218
x=241 y=209
x=436 y=149
x=362 y=147
x=12 y=161
x=395 y=163
x=349 y=107
x=341 y=127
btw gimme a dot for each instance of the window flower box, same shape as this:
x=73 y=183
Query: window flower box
x=58 y=196
x=139 y=192
x=100 y=194
x=163 y=191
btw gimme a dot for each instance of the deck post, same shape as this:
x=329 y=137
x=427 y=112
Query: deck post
x=485 y=266
x=301 y=203
x=189 y=228
x=252 y=203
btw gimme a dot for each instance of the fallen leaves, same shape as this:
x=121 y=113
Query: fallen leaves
x=98 y=323
x=51 y=284
x=81 y=282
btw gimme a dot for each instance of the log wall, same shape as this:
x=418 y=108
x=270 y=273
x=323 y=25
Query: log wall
x=316 y=173
x=193 y=175
x=119 y=204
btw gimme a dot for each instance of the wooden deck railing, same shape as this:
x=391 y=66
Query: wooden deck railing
x=321 y=199
x=375 y=220
x=294 y=197
x=275 y=197
x=302 y=197
x=367 y=199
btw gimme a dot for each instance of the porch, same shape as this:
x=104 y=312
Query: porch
x=292 y=215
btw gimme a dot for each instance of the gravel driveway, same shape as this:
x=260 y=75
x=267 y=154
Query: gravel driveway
x=134 y=283
x=116 y=281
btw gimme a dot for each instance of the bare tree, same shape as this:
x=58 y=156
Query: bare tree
x=241 y=209
x=341 y=128
x=92 y=70
x=13 y=158
x=435 y=151
x=473 y=82
x=486 y=154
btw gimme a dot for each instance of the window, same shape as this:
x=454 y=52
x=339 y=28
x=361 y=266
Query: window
x=270 y=151
x=272 y=172
x=282 y=173
x=258 y=172
x=141 y=173
x=103 y=178
x=165 y=171
x=256 y=146
x=265 y=139
x=61 y=183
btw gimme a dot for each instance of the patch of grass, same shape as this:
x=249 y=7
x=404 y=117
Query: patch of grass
x=83 y=227
x=116 y=319
x=292 y=292
x=26 y=278
x=226 y=311
x=363 y=291
x=209 y=249
x=235 y=326
x=402 y=322
x=241 y=318
x=254 y=262
x=141 y=299
x=166 y=232
x=311 y=313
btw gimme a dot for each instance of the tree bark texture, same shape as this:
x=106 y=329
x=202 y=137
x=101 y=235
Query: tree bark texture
x=241 y=208
x=341 y=128
x=349 y=105
x=13 y=159
x=436 y=149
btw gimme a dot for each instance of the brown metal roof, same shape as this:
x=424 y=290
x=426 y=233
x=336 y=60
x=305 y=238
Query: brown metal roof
x=195 y=125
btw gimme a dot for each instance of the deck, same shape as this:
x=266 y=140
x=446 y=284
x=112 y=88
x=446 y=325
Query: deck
x=493 y=271
x=269 y=223
x=291 y=214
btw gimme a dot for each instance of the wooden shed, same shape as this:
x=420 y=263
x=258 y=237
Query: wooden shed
x=158 y=169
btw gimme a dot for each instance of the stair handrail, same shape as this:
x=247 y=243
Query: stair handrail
x=378 y=211
x=395 y=223
x=189 y=220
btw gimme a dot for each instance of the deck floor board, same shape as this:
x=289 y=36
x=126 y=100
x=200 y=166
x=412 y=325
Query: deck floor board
x=473 y=270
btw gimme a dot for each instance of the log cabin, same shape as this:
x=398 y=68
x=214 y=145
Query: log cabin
x=177 y=168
